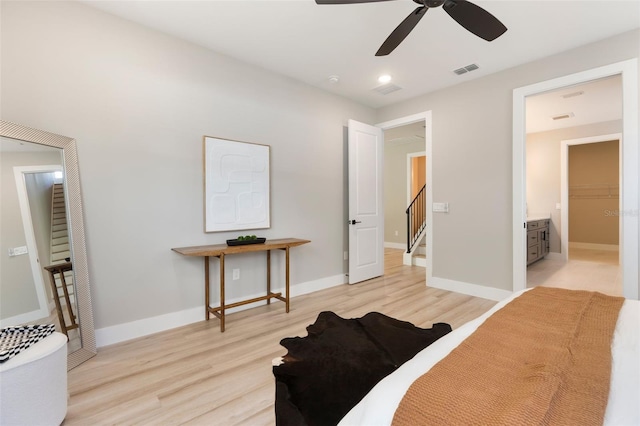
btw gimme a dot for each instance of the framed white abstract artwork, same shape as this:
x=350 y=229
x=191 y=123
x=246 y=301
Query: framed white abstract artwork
x=236 y=185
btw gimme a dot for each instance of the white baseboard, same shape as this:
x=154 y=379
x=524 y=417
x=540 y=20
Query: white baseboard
x=554 y=256
x=134 y=329
x=419 y=261
x=476 y=290
x=592 y=246
x=20 y=319
x=140 y=328
x=316 y=285
x=401 y=246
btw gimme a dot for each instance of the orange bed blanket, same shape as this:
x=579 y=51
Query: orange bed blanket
x=543 y=359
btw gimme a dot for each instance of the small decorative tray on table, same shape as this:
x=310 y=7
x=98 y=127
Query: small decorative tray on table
x=237 y=242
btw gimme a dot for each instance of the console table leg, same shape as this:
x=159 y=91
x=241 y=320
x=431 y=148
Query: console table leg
x=268 y=275
x=206 y=288
x=56 y=298
x=222 y=292
x=287 y=278
x=67 y=299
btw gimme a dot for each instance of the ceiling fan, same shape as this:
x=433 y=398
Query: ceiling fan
x=472 y=17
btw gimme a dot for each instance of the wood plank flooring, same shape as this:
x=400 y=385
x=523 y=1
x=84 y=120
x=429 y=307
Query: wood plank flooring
x=196 y=375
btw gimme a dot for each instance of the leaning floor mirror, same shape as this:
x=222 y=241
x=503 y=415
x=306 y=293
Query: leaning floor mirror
x=44 y=276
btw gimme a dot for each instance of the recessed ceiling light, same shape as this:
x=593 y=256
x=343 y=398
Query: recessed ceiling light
x=385 y=78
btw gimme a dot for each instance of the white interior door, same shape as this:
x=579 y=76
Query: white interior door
x=366 y=212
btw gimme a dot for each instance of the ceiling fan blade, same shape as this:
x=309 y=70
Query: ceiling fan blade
x=402 y=31
x=347 y=1
x=475 y=19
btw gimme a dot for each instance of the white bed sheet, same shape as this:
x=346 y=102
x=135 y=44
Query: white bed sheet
x=623 y=408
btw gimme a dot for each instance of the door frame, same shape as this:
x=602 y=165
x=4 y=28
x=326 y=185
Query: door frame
x=629 y=192
x=564 y=186
x=427 y=117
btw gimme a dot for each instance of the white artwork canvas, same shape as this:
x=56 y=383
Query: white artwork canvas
x=236 y=185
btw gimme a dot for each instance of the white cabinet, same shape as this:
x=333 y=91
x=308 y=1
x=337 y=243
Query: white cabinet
x=537 y=239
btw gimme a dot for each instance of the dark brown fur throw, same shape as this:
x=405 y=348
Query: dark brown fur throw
x=328 y=372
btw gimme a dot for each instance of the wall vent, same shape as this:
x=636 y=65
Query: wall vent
x=468 y=68
x=562 y=116
x=406 y=140
x=385 y=89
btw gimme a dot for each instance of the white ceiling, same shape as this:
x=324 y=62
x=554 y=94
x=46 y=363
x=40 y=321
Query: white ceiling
x=310 y=42
x=409 y=133
x=592 y=102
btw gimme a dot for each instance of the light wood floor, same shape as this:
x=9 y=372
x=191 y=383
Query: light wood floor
x=199 y=376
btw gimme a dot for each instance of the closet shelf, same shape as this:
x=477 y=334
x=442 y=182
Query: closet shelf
x=594 y=191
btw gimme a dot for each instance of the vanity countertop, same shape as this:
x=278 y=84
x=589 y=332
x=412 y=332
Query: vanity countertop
x=538 y=217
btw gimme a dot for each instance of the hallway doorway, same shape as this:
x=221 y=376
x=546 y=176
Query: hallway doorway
x=629 y=176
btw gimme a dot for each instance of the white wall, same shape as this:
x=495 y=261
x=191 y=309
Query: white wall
x=39 y=193
x=472 y=161
x=139 y=102
x=395 y=189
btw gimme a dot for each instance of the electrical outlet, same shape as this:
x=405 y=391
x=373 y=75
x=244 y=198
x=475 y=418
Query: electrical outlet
x=396 y=233
x=236 y=274
x=345 y=256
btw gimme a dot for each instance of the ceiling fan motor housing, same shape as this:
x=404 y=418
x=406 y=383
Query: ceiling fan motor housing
x=430 y=3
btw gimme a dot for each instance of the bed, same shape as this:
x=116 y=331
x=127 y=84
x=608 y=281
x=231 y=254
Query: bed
x=621 y=403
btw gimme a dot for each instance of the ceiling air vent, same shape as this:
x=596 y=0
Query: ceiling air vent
x=385 y=89
x=405 y=140
x=573 y=95
x=468 y=68
x=562 y=116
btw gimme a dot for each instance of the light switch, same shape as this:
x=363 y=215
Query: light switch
x=17 y=251
x=558 y=206
x=440 y=207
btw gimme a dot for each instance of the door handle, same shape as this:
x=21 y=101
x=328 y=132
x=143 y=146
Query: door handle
x=353 y=222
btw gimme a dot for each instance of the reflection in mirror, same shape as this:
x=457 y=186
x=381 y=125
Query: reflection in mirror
x=43 y=266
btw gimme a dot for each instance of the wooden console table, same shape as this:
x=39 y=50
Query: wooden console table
x=221 y=250
x=60 y=270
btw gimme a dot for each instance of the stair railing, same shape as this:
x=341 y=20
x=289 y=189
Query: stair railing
x=416 y=218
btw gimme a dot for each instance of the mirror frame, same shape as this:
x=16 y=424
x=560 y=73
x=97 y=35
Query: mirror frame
x=77 y=236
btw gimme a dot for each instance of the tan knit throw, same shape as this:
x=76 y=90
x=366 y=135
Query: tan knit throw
x=543 y=359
